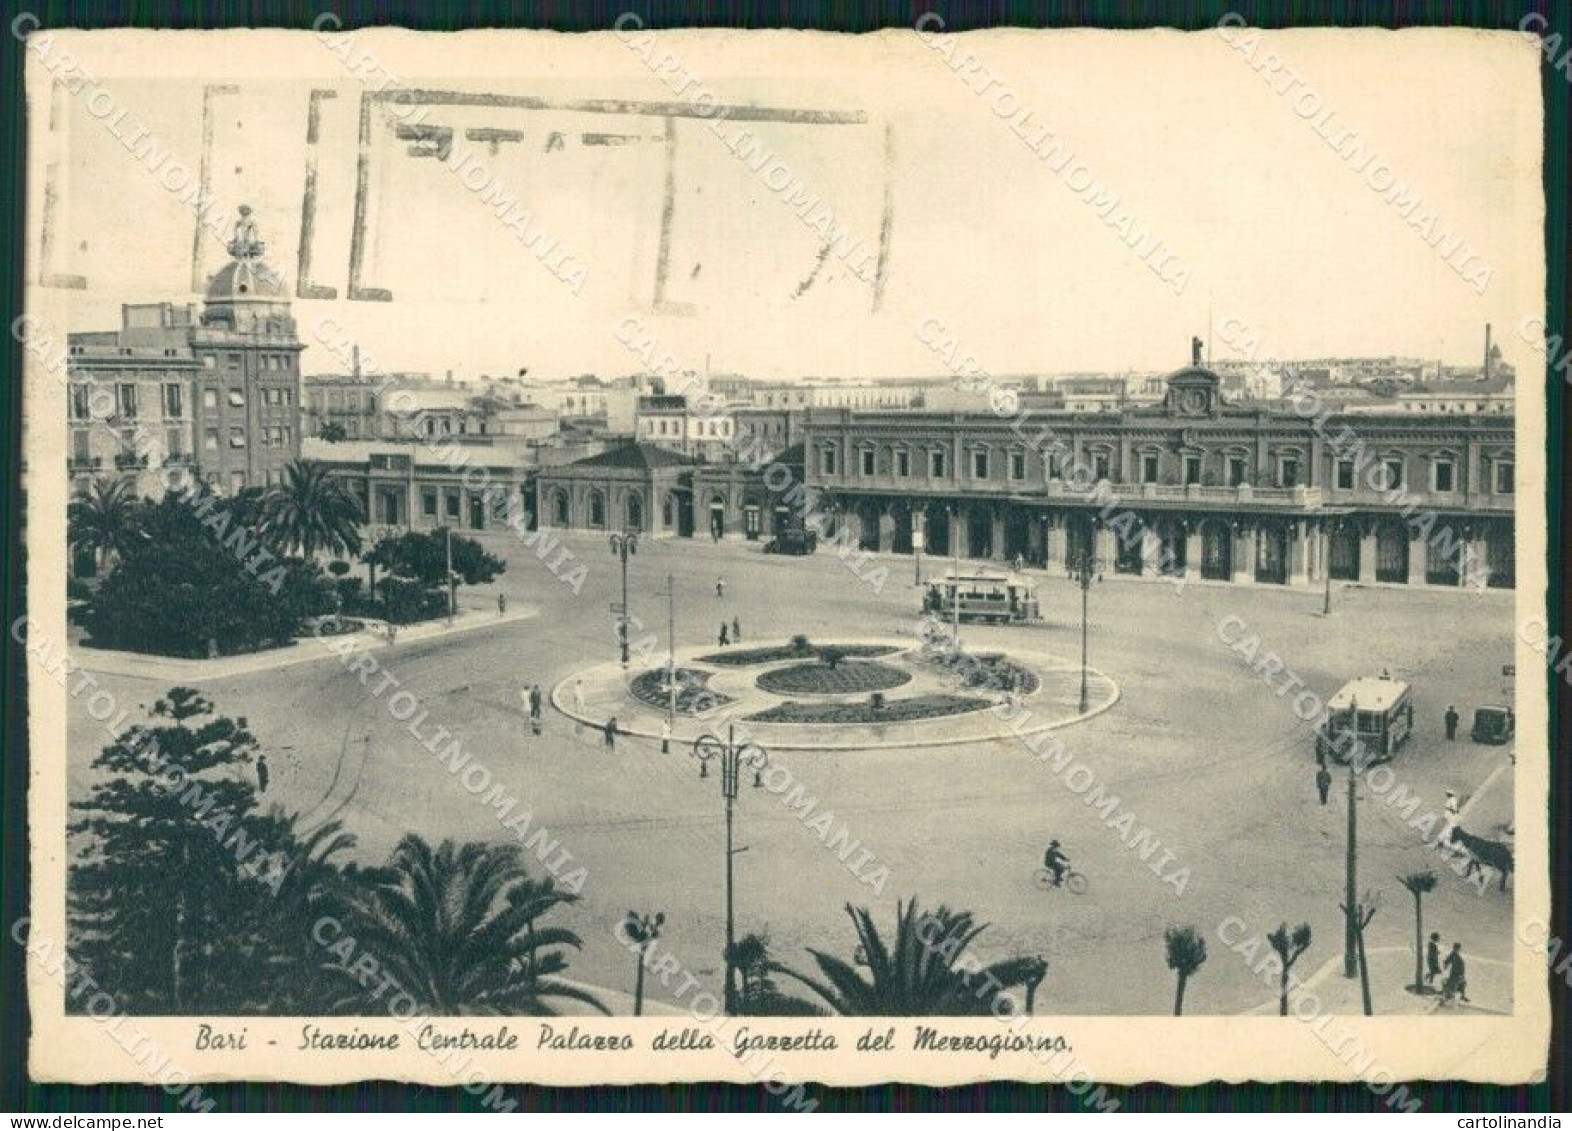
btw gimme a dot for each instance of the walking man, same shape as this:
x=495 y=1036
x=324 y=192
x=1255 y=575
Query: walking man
x=502 y=604
x=611 y=733
x=261 y=773
x=1451 y=723
x=1449 y=820
x=1456 y=975
x=720 y=588
x=1323 y=782
x=736 y=631
x=1433 y=960
x=535 y=699
x=665 y=736
x=724 y=639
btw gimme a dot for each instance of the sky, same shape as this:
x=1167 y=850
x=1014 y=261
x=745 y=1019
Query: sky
x=990 y=251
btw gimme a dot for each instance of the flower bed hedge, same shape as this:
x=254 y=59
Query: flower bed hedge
x=819 y=678
x=986 y=671
x=747 y=657
x=893 y=711
x=694 y=696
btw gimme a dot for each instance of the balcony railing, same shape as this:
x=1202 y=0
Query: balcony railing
x=85 y=463
x=128 y=460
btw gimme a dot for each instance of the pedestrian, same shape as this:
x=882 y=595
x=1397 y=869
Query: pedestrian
x=665 y=736
x=736 y=631
x=1323 y=782
x=578 y=695
x=502 y=604
x=611 y=733
x=1451 y=723
x=1451 y=812
x=261 y=773
x=535 y=700
x=1456 y=975
x=720 y=588
x=724 y=639
x=1019 y=563
x=1433 y=960
x=392 y=634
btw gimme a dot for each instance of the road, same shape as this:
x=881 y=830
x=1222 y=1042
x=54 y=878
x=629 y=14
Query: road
x=1199 y=750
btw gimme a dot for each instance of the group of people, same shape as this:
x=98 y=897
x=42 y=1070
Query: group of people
x=1456 y=970
x=733 y=636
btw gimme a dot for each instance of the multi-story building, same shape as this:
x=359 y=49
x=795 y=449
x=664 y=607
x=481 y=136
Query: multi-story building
x=216 y=392
x=247 y=408
x=689 y=427
x=130 y=405
x=1194 y=486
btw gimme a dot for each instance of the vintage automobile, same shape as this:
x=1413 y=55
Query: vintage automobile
x=793 y=542
x=1493 y=726
x=1374 y=714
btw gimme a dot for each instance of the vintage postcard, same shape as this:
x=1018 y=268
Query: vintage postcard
x=786 y=557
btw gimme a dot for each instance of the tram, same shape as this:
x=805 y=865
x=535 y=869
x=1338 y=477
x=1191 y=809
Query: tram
x=994 y=598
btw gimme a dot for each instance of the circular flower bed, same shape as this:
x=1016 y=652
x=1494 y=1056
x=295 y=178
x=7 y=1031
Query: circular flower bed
x=694 y=696
x=894 y=711
x=748 y=657
x=846 y=678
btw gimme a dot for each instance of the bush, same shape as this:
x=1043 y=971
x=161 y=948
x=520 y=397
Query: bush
x=876 y=700
x=338 y=567
x=202 y=574
x=801 y=645
x=832 y=657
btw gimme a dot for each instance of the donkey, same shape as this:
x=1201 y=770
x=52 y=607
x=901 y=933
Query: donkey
x=1484 y=853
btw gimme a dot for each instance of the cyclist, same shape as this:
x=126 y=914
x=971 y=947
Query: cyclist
x=1056 y=862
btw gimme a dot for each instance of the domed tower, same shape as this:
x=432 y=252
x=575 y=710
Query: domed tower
x=247 y=411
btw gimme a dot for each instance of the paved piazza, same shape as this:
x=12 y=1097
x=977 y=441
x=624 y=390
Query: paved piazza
x=1197 y=748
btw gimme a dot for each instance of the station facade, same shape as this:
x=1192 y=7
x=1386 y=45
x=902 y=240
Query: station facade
x=1194 y=487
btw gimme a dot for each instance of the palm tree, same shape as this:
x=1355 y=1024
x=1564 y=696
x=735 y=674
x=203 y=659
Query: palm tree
x=1186 y=953
x=313 y=510
x=1289 y=947
x=455 y=929
x=1418 y=885
x=921 y=975
x=102 y=520
x=641 y=932
x=759 y=995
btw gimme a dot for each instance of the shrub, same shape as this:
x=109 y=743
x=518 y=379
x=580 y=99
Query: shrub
x=801 y=645
x=876 y=700
x=338 y=567
x=832 y=657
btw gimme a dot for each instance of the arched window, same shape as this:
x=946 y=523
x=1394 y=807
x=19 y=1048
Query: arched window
x=559 y=508
x=597 y=509
x=635 y=511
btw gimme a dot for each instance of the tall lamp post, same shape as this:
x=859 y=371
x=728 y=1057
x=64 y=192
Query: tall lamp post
x=452 y=580
x=1326 y=565
x=1358 y=761
x=624 y=545
x=1084 y=570
x=733 y=756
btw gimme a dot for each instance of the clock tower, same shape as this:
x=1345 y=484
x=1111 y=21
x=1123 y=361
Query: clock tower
x=1193 y=390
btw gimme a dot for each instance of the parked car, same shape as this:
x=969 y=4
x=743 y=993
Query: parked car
x=794 y=542
x=1493 y=726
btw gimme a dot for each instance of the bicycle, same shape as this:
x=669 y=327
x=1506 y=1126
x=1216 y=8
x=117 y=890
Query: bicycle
x=1074 y=882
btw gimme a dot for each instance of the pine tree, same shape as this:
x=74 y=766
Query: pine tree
x=179 y=896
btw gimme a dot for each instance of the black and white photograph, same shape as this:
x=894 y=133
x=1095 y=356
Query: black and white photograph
x=787 y=557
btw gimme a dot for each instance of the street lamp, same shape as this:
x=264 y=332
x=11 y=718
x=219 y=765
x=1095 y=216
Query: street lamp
x=1084 y=569
x=624 y=544
x=733 y=756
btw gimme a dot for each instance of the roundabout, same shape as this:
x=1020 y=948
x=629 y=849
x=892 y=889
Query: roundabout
x=834 y=694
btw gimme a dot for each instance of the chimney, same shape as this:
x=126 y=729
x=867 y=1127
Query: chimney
x=1485 y=372
x=357 y=361
x=450 y=376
